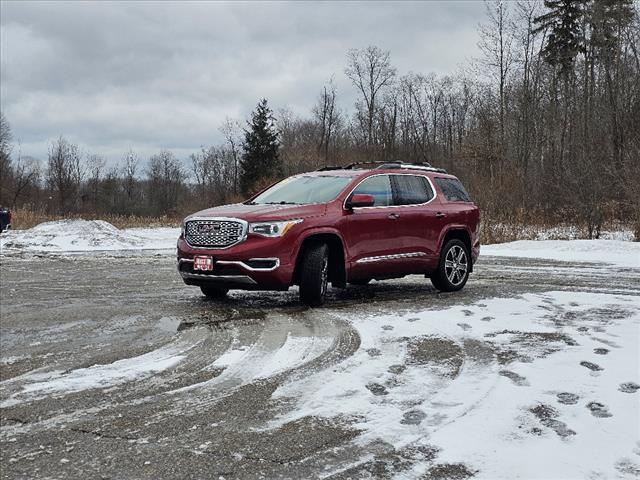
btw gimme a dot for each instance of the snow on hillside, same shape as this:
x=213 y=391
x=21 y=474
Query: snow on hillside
x=73 y=236
x=617 y=252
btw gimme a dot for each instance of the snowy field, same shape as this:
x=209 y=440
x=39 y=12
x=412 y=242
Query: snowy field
x=531 y=372
x=616 y=252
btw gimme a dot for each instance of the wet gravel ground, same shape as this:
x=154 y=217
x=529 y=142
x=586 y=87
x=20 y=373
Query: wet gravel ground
x=185 y=408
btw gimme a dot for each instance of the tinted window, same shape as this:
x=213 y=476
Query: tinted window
x=410 y=189
x=304 y=189
x=453 y=190
x=379 y=186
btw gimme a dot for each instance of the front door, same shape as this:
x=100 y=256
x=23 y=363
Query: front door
x=376 y=244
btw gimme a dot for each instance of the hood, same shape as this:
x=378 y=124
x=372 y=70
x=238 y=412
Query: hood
x=261 y=213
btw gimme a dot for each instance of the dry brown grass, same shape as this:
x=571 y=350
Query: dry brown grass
x=531 y=225
x=519 y=226
x=26 y=218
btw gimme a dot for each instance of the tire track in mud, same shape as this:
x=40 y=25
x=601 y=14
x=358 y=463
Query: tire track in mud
x=211 y=362
x=284 y=348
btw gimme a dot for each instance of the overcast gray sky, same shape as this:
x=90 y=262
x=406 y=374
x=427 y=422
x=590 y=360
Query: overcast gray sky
x=144 y=75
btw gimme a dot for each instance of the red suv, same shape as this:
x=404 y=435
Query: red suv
x=340 y=225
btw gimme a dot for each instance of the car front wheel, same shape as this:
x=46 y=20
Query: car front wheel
x=453 y=268
x=314 y=275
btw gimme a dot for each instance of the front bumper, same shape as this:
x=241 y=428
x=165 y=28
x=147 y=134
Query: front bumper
x=259 y=264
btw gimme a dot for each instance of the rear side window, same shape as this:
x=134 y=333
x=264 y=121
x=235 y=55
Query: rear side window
x=379 y=186
x=453 y=190
x=410 y=190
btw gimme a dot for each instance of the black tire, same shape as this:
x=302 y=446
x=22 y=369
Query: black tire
x=314 y=275
x=360 y=282
x=214 y=293
x=453 y=269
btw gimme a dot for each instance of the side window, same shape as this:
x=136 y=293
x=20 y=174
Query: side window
x=410 y=189
x=379 y=186
x=453 y=190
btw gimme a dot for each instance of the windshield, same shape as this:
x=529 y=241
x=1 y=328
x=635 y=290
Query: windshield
x=302 y=190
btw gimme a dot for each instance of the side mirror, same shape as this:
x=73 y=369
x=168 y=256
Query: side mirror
x=360 y=200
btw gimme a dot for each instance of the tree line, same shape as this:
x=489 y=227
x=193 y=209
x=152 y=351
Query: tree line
x=547 y=120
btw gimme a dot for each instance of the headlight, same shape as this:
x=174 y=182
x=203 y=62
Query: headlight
x=182 y=225
x=272 y=229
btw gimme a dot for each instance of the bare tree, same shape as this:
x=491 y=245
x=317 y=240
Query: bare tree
x=95 y=167
x=232 y=131
x=5 y=157
x=165 y=176
x=326 y=114
x=298 y=143
x=497 y=38
x=64 y=174
x=129 y=170
x=370 y=70
x=25 y=177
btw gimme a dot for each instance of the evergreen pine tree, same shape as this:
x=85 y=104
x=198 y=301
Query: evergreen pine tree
x=608 y=18
x=260 y=158
x=566 y=37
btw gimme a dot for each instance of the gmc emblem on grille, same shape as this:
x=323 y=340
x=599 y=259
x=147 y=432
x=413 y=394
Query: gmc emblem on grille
x=209 y=227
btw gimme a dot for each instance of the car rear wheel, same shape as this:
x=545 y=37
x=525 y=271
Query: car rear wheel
x=314 y=275
x=453 y=268
x=213 y=292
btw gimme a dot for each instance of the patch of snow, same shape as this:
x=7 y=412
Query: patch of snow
x=72 y=236
x=231 y=356
x=477 y=405
x=13 y=359
x=616 y=252
x=39 y=384
x=295 y=351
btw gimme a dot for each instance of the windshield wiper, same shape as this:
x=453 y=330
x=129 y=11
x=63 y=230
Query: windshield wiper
x=281 y=203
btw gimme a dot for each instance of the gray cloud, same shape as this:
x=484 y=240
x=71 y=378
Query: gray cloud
x=118 y=75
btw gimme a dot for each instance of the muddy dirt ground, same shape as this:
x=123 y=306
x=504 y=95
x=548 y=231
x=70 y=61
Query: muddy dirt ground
x=112 y=368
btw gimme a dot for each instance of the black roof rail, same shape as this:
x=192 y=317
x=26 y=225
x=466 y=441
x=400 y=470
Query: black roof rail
x=358 y=164
x=330 y=167
x=386 y=166
x=350 y=166
x=416 y=166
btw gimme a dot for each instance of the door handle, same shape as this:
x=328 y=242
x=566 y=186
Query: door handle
x=441 y=215
x=394 y=216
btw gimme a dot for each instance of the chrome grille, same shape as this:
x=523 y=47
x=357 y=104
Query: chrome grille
x=214 y=233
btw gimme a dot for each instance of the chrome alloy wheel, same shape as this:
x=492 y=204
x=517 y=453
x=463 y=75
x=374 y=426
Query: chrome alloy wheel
x=455 y=265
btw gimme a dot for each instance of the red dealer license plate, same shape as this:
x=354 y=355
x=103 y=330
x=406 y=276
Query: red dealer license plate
x=203 y=263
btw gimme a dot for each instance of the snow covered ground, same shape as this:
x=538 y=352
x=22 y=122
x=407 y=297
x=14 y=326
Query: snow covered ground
x=617 y=252
x=547 y=380
x=76 y=236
